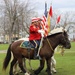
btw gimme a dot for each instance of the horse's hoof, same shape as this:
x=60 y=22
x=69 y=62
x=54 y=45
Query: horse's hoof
x=26 y=73
x=35 y=73
x=54 y=70
x=46 y=70
x=16 y=74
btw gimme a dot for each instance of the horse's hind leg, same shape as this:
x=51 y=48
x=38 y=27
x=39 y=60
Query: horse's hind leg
x=42 y=62
x=21 y=65
x=11 y=66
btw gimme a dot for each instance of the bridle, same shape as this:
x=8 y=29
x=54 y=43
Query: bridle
x=63 y=39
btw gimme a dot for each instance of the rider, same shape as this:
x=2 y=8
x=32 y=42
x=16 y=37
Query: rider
x=36 y=33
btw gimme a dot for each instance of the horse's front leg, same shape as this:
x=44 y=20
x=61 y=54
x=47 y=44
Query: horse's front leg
x=42 y=62
x=48 y=60
x=53 y=64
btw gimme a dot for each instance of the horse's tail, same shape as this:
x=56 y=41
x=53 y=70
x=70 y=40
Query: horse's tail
x=7 y=58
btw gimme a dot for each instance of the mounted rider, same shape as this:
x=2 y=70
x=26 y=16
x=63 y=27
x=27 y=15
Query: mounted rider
x=36 y=33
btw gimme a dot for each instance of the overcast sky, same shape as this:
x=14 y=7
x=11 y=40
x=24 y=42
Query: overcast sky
x=62 y=5
x=56 y=4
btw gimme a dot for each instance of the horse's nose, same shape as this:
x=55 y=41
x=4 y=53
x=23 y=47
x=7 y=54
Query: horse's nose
x=69 y=46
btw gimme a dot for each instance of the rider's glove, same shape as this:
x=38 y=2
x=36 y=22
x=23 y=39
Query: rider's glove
x=42 y=32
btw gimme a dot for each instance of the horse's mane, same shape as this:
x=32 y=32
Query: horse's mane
x=53 y=35
x=56 y=31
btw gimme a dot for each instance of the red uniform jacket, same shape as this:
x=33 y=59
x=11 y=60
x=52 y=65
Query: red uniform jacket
x=34 y=35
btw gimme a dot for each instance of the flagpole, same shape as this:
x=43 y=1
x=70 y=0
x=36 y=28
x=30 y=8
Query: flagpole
x=55 y=25
x=50 y=14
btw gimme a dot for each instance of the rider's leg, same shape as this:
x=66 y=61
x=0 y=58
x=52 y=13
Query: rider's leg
x=34 y=43
x=36 y=49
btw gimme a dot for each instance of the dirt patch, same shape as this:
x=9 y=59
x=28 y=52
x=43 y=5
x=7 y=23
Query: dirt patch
x=3 y=51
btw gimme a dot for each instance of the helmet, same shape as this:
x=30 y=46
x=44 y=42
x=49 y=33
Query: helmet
x=34 y=19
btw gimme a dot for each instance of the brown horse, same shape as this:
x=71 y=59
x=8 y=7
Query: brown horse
x=46 y=52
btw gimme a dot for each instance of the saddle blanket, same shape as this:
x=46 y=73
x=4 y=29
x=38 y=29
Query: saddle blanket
x=27 y=45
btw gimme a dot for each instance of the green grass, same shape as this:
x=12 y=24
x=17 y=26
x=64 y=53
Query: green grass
x=2 y=56
x=65 y=64
x=73 y=46
x=4 y=46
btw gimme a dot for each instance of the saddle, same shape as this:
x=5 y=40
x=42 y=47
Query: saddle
x=27 y=45
x=30 y=45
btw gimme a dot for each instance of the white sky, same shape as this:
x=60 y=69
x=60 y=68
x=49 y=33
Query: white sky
x=56 y=4
x=63 y=5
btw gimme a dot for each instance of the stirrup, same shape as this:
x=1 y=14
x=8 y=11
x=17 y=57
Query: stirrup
x=37 y=57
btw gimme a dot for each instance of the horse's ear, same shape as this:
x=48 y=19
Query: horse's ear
x=65 y=33
x=65 y=30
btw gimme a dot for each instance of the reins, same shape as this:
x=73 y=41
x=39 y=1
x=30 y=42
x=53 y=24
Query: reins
x=49 y=44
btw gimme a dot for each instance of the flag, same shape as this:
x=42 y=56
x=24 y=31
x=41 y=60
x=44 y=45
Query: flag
x=44 y=21
x=44 y=25
x=50 y=14
x=50 y=11
x=45 y=13
x=58 y=19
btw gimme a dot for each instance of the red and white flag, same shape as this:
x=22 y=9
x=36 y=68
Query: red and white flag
x=50 y=11
x=58 y=19
x=44 y=25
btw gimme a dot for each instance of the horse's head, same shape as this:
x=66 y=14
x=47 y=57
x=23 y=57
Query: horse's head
x=64 y=41
x=60 y=37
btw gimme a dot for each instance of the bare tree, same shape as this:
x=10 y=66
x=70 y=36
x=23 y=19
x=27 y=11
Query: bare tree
x=16 y=17
x=67 y=18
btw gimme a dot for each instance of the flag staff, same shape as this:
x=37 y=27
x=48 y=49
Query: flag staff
x=50 y=14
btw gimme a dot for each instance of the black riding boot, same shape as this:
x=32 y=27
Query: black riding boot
x=35 y=54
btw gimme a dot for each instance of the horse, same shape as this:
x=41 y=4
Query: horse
x=17 y=70
x=46 y=52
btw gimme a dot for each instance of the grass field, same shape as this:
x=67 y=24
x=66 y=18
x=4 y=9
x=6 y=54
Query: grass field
x=4 y=46
x=65 y=64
